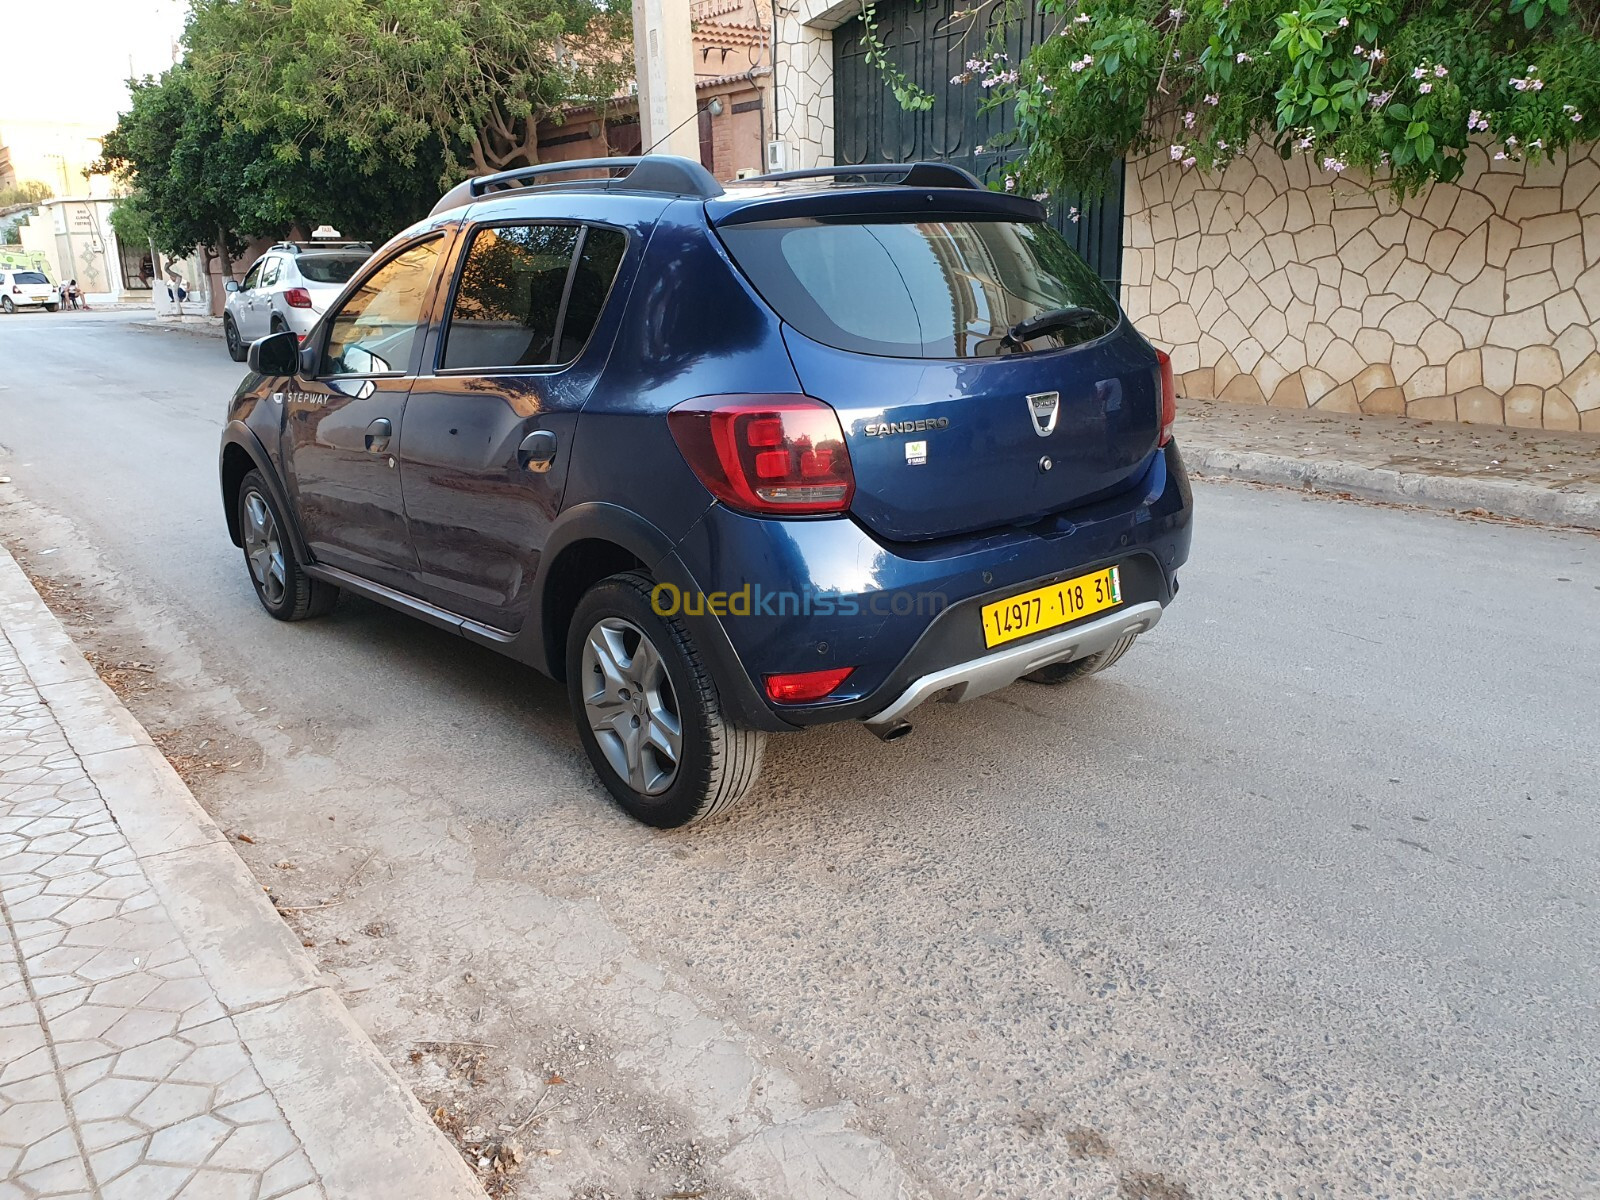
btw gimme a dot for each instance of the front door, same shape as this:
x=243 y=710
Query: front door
x=342 y=427
x=244 y=304
x=487 y=437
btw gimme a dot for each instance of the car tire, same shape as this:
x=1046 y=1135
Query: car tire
x=1080 y=668
x=230 y=334
x=52 y=308
x=281 y=584
x=7 y=306
x=616 y=631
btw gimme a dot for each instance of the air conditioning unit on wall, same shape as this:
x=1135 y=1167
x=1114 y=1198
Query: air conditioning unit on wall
x=780 y=156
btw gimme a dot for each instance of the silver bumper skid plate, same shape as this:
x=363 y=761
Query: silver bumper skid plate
x=980 y=676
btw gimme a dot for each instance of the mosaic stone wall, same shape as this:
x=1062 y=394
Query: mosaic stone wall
x=803 y=78
x=1274 y=282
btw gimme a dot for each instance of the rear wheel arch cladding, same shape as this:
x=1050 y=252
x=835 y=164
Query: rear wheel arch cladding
x=236 y=464
x=577 y=567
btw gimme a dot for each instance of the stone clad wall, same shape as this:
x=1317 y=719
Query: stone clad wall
x=1274 y=282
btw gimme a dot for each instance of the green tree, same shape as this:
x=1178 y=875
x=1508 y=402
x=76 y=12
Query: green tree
x=1396 y=87
x=197 y=180
x=184 y=169
x=449 y=85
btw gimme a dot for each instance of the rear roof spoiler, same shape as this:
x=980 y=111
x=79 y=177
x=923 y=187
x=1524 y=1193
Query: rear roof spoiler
x=658 y=174
x=914 y=174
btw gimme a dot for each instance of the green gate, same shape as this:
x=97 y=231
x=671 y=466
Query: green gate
x=924 y=42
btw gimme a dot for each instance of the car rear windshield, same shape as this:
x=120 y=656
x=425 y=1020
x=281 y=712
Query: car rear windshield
x=924 y=288
x=330 y=269
x=30 y=277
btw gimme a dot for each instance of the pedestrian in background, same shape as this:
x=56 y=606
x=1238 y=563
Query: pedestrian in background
x=77 y=296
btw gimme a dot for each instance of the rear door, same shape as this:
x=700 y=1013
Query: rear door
x=904 y=325
x=342 y=428
x=489 y=433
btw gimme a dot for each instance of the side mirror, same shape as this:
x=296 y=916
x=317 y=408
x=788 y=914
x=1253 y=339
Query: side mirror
x=275 y=354
x=231 y=286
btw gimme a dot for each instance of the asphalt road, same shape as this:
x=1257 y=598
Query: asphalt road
x=1298 y=900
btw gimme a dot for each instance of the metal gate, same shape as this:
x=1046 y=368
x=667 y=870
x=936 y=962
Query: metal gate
x=923 y=41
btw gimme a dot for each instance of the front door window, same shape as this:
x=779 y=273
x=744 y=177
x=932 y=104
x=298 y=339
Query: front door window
x=375 y=330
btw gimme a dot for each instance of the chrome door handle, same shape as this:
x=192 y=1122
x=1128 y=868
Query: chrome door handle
x=378 y=435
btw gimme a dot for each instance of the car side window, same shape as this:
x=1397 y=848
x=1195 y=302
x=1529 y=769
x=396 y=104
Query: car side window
x=508 y=301
x=251 y=278
x=591 y=284
x=374 y=330
x=269 y=272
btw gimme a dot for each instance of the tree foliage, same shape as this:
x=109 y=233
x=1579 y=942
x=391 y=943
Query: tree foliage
x=198 y=179
x=1396 y=87
x=442 y=84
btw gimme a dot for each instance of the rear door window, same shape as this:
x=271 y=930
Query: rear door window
x=923 y=288
x=529 y=295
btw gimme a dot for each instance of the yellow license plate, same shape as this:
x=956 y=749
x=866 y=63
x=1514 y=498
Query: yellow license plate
x=1045 y=608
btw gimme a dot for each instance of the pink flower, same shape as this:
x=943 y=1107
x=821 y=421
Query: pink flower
x=1213 y=99
x=1344 y=22
x=1333 y=164
x=1188 y=120
x=1189 y=162
x=1425 y=88
x=1176 y=152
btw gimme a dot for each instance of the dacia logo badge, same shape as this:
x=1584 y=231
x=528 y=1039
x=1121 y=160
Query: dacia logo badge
x=1044 y=407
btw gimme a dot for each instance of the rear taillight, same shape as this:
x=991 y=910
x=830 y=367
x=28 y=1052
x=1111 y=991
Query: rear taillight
x=805 y=685
x=16 y=290
x=766 y=454
x=297 y=298
x=1169 y=396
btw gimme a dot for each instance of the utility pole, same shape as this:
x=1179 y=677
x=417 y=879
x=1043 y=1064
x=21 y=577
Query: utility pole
x=663 y=56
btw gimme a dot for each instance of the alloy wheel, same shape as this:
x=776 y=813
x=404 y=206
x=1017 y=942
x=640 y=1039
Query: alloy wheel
x=231 y=331
x=263 y=548
x=631 y=706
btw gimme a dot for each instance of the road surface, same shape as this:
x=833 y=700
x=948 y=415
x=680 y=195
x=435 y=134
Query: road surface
x=1300 y=899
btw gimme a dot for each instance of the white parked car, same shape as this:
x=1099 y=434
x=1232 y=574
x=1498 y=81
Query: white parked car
x=288 y=287
x=27 y=289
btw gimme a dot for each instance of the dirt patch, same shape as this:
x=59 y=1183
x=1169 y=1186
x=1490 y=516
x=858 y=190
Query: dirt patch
x=1142 y=1185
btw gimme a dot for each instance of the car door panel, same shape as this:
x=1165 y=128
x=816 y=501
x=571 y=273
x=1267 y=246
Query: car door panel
x=479 y=497
x=342 y=429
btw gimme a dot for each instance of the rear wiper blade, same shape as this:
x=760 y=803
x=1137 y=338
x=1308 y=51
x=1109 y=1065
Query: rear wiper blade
x=1054 y=319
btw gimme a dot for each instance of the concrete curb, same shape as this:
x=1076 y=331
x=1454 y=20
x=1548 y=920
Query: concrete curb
x=365 y=1134
x=206 y=329
x=1500 y=497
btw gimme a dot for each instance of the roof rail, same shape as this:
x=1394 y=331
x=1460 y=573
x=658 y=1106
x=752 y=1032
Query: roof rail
x=660 y=173
x=913 y=174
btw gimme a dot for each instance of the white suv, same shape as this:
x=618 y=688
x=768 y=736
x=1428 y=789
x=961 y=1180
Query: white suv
x=27 y=289
x=288 y=287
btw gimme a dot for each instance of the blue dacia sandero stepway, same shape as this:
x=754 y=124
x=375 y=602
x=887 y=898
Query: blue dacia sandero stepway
x=729 y=460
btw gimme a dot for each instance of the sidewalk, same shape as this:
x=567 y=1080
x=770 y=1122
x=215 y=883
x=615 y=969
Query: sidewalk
x=1526 y=474
x=162 y=1032
x=199 y=324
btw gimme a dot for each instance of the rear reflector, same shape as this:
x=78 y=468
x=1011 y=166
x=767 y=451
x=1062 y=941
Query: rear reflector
x=805 y=685
x=297 y=298
x=1169 y=396
x=766 y=454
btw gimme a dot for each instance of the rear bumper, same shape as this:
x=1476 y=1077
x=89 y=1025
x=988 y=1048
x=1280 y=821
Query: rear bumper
x=905 y=615
x=980 y=676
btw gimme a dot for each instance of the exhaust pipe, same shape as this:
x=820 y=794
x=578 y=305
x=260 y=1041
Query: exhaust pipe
x=891 y=732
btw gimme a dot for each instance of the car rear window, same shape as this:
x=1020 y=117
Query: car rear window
x=30 y=277
x=330 y=269
x=921 y=288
